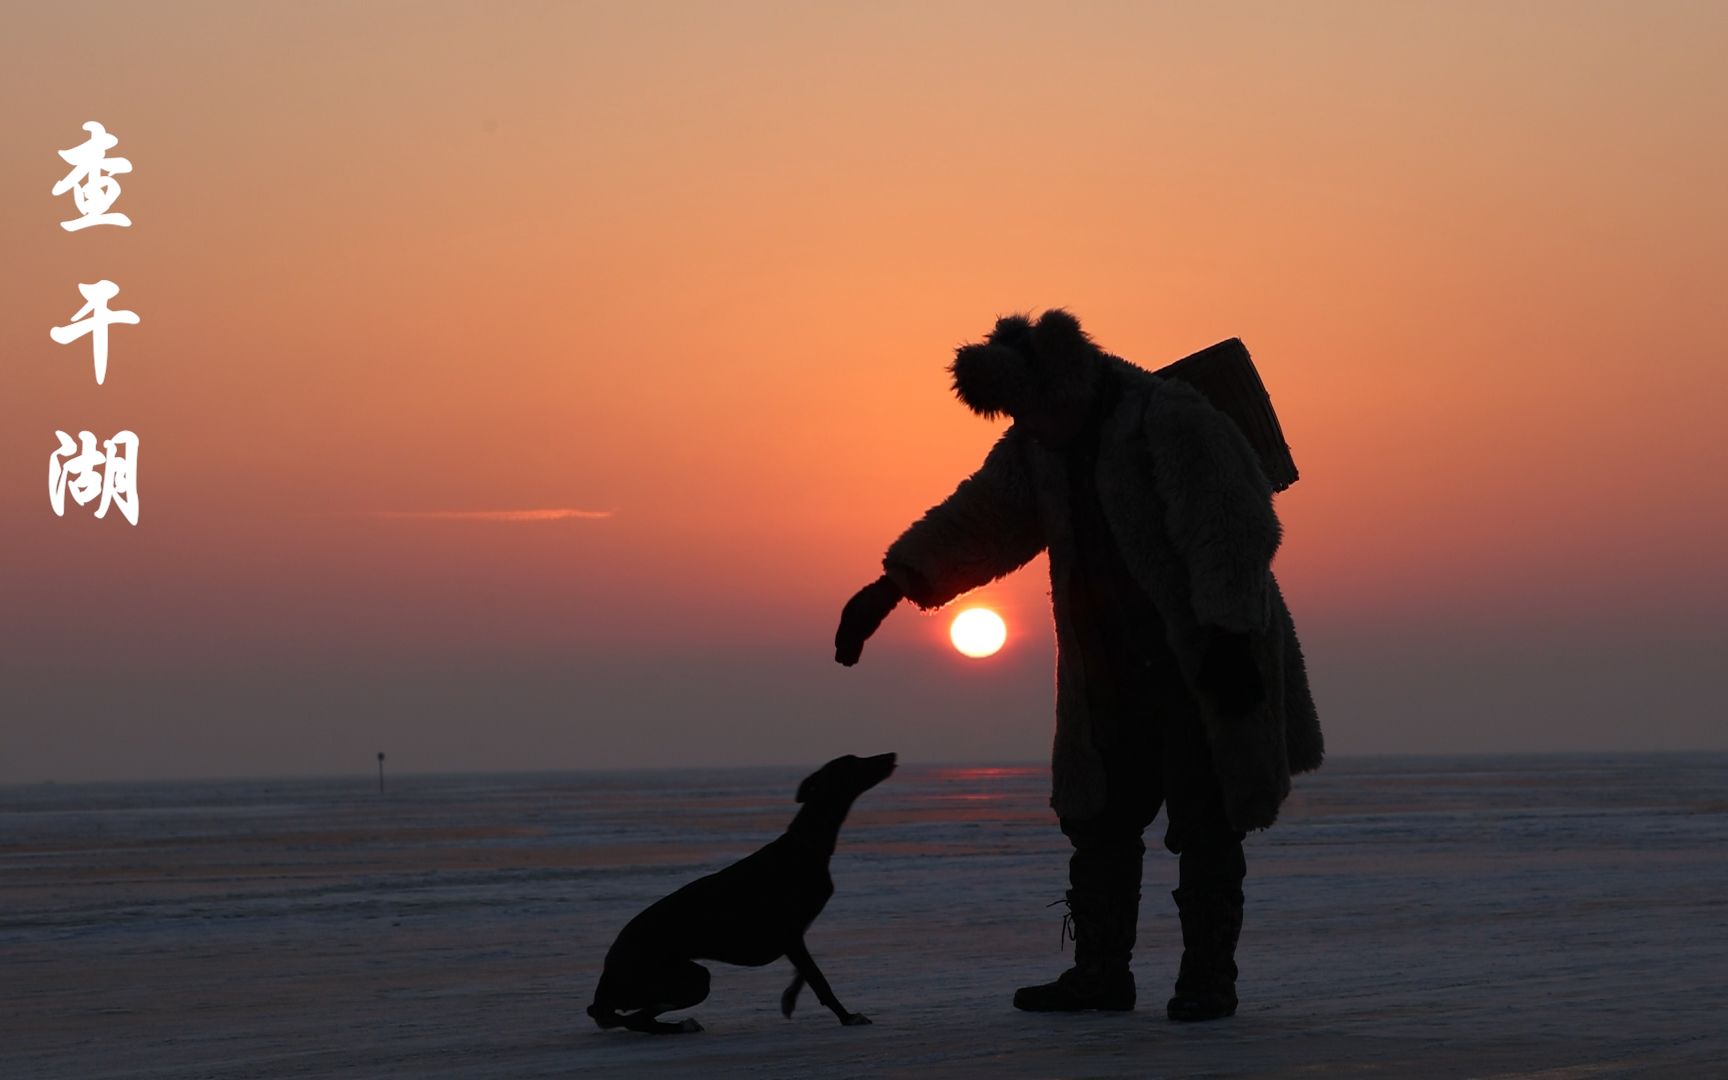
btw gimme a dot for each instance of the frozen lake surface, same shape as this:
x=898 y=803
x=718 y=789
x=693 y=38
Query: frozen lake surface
x=1553 y=917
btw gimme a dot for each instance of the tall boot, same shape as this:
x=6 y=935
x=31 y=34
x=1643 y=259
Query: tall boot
x=1210 y=903
x=1104 y=913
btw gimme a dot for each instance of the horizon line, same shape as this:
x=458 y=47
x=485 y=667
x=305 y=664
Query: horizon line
x=370 y=773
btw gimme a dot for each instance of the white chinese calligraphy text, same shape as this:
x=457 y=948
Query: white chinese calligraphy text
x=91 y=180
x=96 y=299
x=77 y=469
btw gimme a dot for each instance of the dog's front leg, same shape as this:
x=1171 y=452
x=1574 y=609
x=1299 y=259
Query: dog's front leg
x=789 y=999
x=810 y=973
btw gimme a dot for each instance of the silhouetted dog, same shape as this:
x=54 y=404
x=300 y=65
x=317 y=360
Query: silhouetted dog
x=751 y=913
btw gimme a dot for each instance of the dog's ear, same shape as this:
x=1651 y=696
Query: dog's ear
x=804 y=789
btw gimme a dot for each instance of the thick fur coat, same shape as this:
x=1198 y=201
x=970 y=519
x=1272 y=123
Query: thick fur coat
x=1191 y=511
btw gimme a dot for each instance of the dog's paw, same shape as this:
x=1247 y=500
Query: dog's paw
x=855 y=1020
x=689 y=1026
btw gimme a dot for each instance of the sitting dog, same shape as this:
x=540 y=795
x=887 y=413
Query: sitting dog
x=751 y=913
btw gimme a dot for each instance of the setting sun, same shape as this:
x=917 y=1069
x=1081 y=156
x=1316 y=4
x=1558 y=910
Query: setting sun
x=978 y=632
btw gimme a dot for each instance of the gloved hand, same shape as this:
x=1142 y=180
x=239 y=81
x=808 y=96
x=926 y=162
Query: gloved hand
x=1229 y=674
x=862 y=615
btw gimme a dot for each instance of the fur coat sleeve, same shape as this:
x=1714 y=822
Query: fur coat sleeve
x=987 y=528
x=1218 y=510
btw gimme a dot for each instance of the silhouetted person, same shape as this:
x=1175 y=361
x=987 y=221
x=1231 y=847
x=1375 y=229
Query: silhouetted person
x=1179 y=679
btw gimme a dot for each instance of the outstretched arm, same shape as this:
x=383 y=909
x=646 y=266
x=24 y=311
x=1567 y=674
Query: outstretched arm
x=987 y=528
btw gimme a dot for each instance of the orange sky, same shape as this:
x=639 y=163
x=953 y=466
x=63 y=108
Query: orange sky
x=702 y=265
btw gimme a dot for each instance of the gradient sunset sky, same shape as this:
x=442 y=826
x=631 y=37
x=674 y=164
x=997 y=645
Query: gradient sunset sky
x=528 y=385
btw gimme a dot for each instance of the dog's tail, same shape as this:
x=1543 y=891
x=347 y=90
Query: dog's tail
x=604 y=1016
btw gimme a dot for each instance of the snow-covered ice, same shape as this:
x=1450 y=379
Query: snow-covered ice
x=1551 y=917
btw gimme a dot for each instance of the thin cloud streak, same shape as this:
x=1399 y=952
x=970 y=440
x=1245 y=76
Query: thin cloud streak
x=561 y=513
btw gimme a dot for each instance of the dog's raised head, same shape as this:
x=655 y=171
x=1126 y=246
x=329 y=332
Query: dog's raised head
x=845 y=778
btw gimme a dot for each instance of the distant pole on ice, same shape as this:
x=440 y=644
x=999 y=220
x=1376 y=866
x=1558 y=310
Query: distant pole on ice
x=380 y=772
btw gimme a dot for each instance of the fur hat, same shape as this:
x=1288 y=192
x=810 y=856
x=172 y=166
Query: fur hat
x=1022 y=363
